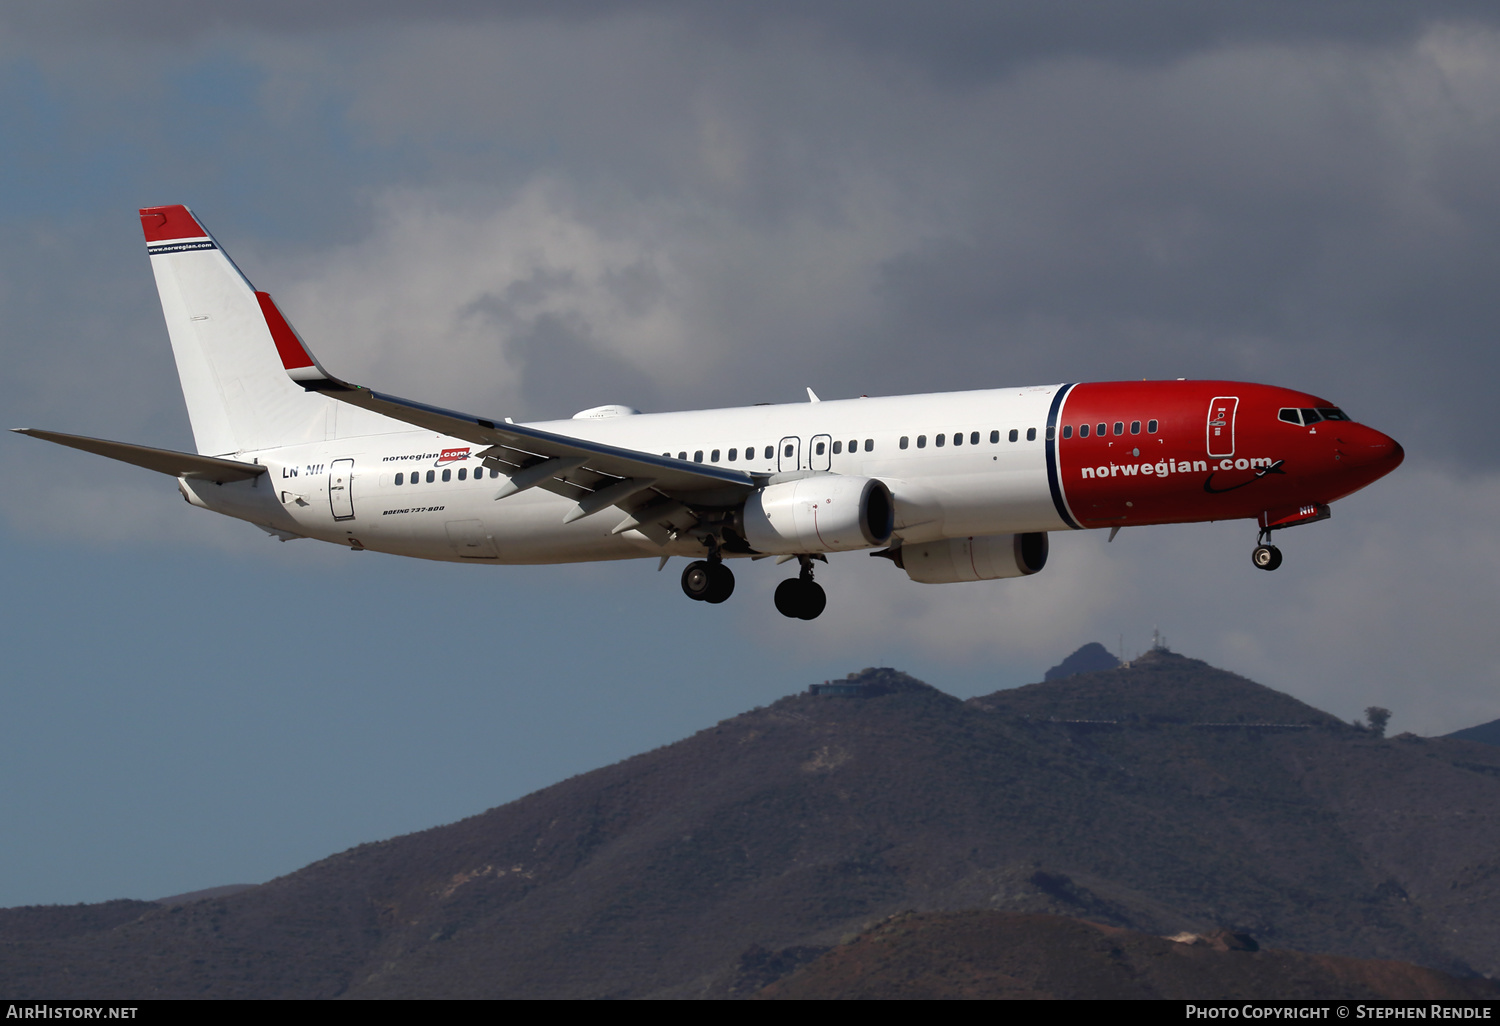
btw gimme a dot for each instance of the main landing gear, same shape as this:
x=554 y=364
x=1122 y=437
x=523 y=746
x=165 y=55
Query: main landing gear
x=707 y=580
x=801 y=597
x=1265 y=556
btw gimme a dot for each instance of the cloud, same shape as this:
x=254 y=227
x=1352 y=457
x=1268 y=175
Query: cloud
x=639 y=207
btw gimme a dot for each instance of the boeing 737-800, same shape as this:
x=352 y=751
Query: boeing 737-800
x=951 y=487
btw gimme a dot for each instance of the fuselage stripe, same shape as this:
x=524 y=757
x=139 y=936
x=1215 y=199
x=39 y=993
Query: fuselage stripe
x=1054 y=481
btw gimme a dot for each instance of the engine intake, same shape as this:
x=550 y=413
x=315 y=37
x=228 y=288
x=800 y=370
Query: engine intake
x=825 y=513
x=983 y=558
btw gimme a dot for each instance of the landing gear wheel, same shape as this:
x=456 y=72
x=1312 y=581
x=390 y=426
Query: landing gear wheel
x=720 y=583
x=697 y=580
x=707 y=581
x=814 y=600
x=800 y=598
x=1266 y=557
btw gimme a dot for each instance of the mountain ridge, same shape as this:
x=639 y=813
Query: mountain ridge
x=1152 y=797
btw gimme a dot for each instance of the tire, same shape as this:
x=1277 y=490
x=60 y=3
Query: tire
x=720 y=583
x=697 y=580
x=1266 y=557
x=789 y=598
x=814 y=600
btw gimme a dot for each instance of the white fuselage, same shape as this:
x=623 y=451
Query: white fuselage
x=949 y=490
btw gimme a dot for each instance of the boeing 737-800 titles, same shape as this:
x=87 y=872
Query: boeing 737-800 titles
x=960 y=486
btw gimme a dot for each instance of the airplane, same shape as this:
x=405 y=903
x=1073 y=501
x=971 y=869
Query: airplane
x=950 y=487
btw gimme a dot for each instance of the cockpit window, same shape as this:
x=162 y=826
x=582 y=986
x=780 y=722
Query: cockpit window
x=1290 y=416
x=1333 y=413
x=1311 y=416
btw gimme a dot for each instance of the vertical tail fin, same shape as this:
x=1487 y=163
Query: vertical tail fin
x=225 y=338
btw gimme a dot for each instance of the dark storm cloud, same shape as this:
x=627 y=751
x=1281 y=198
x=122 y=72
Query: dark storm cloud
x=956 y=38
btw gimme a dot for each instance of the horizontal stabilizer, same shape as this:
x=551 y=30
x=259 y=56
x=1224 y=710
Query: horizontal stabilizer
x=163 y=461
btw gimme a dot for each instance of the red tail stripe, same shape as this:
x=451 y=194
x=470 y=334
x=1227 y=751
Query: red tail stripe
x=163 y=224
x=293 y=354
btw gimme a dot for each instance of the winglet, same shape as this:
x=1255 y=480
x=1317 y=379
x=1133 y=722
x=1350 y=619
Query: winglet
x=812 y=396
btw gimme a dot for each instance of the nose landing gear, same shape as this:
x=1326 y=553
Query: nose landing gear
x=1266 y=556
x=800 y=597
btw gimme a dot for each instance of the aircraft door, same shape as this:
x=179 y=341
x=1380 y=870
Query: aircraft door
x=1221 y=425
x=341 y=489
x=820 y=454
x=789 y=454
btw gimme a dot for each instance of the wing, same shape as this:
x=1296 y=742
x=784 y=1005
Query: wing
x=163 y=461
x=661 y=496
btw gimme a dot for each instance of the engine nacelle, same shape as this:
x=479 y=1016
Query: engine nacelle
x=983 y=558
x=825 y=513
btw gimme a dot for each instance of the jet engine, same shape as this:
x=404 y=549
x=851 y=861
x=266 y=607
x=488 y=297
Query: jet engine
x=824 y=513
x=982 y=558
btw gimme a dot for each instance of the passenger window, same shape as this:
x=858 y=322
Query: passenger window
x=838 y=447
x=398 y=478
x=494 y=473
x=1067 y=430
x=902 y=443
x=682 y=455
x=1151 y=427
x=921 y=441
x=853 y=445
x=463 y=473
x=789 y=450
x=1310 y=417
x=771 y=451
x=733 y=455
x=714 y=456
x=1051 y=433
x=819 y=450
x=958 y=438
x=1083 y=430
x=940 y=440
x=1031 y=434
x=1102 y=430
x=994 y=437
x=447 y=474
x=869 y=445
x=1119 y=427
x=1135 y=427
x=1014 y=434
x=430 y=476
x=698 y=456
x=973 y=437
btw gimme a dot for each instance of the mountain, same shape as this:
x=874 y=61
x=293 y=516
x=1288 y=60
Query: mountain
x=1163 y=796
x=987 y=954
x=1088 y=659
x=1485 y=733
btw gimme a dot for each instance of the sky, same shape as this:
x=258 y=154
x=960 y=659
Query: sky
x=525 y=211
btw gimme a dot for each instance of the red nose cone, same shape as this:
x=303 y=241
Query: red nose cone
x=1385 y=452
x=1370 y=453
